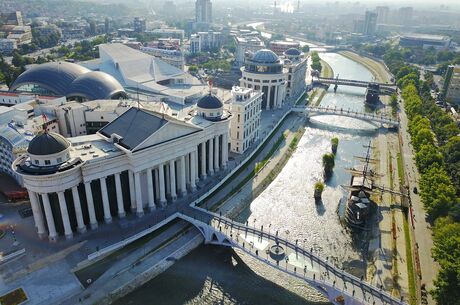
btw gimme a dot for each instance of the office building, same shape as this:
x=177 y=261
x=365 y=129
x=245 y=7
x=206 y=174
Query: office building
x=7 y=46
x=246 y=108
x=205 y=41
x=370 y=23
x=383 y=14
x=295 y=64
x=451 y=90
x=139 y=25
x=245 y=44
x=203 y=11
x=425 y=41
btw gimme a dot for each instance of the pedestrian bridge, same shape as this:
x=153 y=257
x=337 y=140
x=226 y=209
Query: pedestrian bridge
x=386 y=89
x=375 y=119
x=339 y=287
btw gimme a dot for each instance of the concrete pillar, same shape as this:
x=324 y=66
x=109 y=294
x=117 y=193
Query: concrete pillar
x=172 y=178
x=224 y=150
x=65 y=216
x=216 y=154
x=203 y=161
x=195 y=161
x=119 y=190
x=161 y=175
x=137 y=184
x=167 y=180
x=105 y=201
x=183 y=184
x=193 y=171
x=49 y=218
x=157 y=185
x=150 y=190
x=211 y=157
x=90 y=201
x=38 y=215
x=132 y=191
x=187 y=170
x=78 y=213
x=268 y=97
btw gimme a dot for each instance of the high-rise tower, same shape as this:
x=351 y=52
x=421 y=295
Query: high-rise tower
x=203 y=11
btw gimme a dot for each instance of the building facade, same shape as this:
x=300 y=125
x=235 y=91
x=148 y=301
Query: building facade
x=203 y=11
x=140 y=161
x=295 y=64
x=246 y=108
x=264 y=72
x=425 y=41
x=173 y=57
x=246 y=44
x=452 y=85
x=7 y=46
x=280 y=46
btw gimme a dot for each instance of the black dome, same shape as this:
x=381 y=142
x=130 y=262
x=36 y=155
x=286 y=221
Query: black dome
x=47 y=143
x=209 y=102
x=292 y=52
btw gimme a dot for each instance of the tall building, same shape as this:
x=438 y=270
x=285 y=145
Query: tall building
x=295 y=64
x=383 y=13
x=139 y=25
x=264 y=72
x=203 y=11
x=451 y=90
x=405 y=15
x=246 y=108
x=246 y=44
x=370 y=23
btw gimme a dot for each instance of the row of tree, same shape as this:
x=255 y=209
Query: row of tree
x=316 y=62
x=437 y=145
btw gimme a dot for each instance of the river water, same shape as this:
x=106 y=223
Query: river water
x=213 y=275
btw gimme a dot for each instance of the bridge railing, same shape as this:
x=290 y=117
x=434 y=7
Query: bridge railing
x=346 y=277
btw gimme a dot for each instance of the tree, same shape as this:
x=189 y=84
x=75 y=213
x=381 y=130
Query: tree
x=423 y=136
x=306 y=48
x=334 y=144
x=428 y=156
x=328 y=164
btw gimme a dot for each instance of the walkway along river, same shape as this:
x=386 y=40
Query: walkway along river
x=212 y=274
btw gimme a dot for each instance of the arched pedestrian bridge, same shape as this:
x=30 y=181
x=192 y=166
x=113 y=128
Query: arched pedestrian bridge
x=375 y=119
x=336 y=285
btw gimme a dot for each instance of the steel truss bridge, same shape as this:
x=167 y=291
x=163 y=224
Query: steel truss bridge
x=300 y=261
x=384 y=89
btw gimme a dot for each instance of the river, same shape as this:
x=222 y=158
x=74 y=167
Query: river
x=213 y=275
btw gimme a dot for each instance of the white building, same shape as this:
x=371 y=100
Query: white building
x=246 y=108
x=173 y=57
x=7 y=46
x=169 y=33
x=203 y=11
x=139 y=161
x=263 y=71
x=295 y=64
x=246 y=44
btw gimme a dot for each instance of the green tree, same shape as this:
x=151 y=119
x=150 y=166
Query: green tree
x=328 y=164
x=427 y=156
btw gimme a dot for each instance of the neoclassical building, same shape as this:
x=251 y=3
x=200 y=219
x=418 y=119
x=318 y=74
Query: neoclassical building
x=295 y=63
x=264 y=72
x=140 y=161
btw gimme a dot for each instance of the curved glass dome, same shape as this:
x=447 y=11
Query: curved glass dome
x=96 y=85
x=292 y=52
x=55 y=77
x=265 y=56
x=264 y=61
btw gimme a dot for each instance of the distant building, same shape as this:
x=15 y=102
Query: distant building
x=246 y=44
x=358 y=26
x=7 y=46
x=295 y=64
x=280 y=46
x=405 y=15
x=203 y=11
x=370 y=23
x=139 y=25
x=205 y=41
x=452 y=85
x=14 y=18
x=246 y=108
x=173 y=57
x=425 y=41
x=383 y=14
x=169 y=33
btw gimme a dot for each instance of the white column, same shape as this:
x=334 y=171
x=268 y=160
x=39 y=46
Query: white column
x=65 y=216
x=195 y=161
x=167 y=180
x=161 y=174
x=216 y=153
x=49 y=218
x=224 y=149
x=37 y=213
x=172 y=178
x=157 y=184
x=90 y=201
x=137 y=184
x=268 y=97
x=192 y=171
x=150 y=189
x=119 y=190
x=187 y=169
x=183 y=182
x=211 y=157
x=78 y=213
x=105 y=201
x=203 y=160
x=132 y=191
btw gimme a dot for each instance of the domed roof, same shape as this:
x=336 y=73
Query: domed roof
x=209 y=102
x=47 y=143
x=53 y=76
x=265 y=56
x=292 y=52
x=96 y=85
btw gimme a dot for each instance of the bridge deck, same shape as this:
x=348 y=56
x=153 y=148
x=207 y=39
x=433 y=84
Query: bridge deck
x=339 y=81
x=297 y=261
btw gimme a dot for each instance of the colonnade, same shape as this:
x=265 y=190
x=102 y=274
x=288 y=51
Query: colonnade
x=164 y=182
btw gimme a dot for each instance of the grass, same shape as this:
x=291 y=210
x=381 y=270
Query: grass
x=400 y=170
x=302 y=98
x=320 y=98
x=410 y=262
x=327 y=70
x=15 y=297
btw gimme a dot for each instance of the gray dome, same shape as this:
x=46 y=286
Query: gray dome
x=96 y=85
x=47 y=143
x=55 y=77
x=265 y=56
x=209 y=102
x=292 y=52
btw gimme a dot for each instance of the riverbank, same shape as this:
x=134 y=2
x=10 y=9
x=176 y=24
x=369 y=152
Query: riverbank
x=318 y=94
x=377 y=69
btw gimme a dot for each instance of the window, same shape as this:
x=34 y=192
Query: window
x=59 y=160
x=47 y=162
x=36 y=162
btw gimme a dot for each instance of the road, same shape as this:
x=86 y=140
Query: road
x=422 y=228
